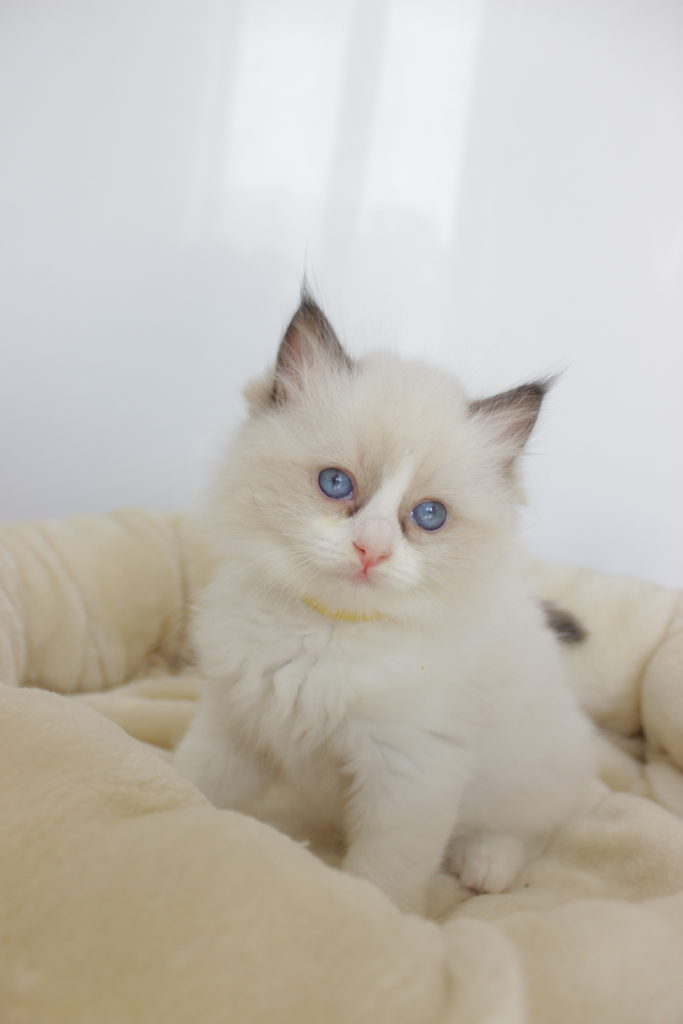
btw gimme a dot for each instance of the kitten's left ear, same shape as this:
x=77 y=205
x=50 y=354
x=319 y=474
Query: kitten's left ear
x=309 y=340
x=511 y=415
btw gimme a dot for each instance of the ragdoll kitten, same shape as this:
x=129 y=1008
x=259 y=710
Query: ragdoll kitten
x=369 y=635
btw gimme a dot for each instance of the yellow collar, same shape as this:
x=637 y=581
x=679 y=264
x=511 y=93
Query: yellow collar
x=342 y=616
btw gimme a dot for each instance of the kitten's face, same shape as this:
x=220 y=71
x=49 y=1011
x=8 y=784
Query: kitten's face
x=368 y=488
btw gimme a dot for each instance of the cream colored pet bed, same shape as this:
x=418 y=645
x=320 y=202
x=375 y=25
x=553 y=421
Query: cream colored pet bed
x=126 y=897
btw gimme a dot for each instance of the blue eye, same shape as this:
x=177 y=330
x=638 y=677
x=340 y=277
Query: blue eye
x=429 y=515
x=335 y=483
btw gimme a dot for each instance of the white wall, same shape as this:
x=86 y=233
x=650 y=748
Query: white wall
x=498 y=185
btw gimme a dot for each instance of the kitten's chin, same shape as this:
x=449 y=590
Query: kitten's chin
x=344 y=588
x=362 y=582
x=361 y=579
x=360 y=593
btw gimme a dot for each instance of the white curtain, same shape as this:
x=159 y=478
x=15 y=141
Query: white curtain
x=496 y=185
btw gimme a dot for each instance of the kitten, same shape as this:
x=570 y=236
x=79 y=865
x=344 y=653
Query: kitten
x=368 y=635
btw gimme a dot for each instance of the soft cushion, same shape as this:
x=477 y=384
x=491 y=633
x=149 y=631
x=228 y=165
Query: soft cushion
x=126 y=897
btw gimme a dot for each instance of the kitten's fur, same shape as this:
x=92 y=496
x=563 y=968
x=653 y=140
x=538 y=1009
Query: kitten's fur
x=439 y=720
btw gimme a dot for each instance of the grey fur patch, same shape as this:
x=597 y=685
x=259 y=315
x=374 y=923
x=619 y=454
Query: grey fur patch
x=566 y=626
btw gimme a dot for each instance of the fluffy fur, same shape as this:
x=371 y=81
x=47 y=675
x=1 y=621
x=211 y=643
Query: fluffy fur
x=420 y=700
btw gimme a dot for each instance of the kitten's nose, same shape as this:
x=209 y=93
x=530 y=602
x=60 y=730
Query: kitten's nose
x=373 y=543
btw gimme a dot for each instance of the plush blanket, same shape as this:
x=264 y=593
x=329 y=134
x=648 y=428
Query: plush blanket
x=126 y=897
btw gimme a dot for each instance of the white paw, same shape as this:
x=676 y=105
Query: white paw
x=489 y=862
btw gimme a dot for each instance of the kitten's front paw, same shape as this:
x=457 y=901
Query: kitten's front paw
x=488 y=862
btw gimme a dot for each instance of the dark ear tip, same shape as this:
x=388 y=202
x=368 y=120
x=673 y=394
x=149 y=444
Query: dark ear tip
x=308 y=305
x=530 y=394
x=305 y=291
x=515 y=411
x=544 y=384
x=536 y=390
x=308 y=339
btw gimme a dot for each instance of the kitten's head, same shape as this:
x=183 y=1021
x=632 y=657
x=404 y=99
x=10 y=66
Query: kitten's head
x=370 y=487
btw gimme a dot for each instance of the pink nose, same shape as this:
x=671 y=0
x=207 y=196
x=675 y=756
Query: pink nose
x=370 y=556
x=373 y=541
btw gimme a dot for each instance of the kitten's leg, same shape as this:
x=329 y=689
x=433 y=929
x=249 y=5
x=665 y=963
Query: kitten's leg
x=400 y=813
x=321 y=796
x=224 y=769
x=486 y=861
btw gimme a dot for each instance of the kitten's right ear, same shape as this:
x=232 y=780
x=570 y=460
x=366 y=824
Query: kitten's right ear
x=510 y=417
x=309 y=340
x=513 y=414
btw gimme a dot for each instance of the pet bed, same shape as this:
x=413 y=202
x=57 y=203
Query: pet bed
x=127 y=898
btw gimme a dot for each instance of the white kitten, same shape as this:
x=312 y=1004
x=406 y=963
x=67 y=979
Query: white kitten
x=369 y=635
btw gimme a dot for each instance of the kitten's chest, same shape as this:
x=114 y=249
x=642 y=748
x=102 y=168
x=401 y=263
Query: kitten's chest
x=301 y=683
x=297 y=683
x=306 y=683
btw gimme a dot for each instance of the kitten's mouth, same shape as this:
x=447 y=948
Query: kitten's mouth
x=365 y=577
